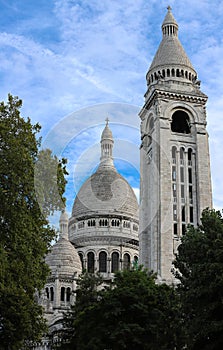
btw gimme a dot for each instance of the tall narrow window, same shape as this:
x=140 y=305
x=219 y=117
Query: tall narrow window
x=175 y=229
x=174 y=174
x=183 y=217
x=174 y=186
x=182 y=174
x=182 y=191
x=68 y=294
x=191 y=215
x=190 y=175
x=174 y=212
x=47 y=293
x=181 y=155
x=90 y=262
x=126 y=264
x=115 y=262
x=62 y=294
x=102 y=262
x=82 y=260
x=189 y=156
x=51 y=294
x=174 y=154
x=190 y=194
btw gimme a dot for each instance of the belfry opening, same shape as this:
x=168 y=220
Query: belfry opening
x=180 y=122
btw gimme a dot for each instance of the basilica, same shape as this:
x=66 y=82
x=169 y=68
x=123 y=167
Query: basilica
x=108 y=231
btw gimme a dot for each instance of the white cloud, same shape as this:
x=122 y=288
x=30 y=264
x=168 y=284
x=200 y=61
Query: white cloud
x=62 y=56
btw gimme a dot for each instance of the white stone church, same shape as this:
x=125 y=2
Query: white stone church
x=108 y=231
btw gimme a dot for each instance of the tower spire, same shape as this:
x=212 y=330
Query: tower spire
x=169 y=26
x=107 y=142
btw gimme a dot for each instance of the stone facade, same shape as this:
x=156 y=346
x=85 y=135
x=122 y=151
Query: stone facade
x=175 y=165
x=175 y=187
x=104 y=223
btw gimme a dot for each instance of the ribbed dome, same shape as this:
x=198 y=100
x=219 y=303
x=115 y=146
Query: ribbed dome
x=105 y=192
x=63 y=259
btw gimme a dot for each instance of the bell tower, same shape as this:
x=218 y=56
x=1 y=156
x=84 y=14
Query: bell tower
x=174 y=155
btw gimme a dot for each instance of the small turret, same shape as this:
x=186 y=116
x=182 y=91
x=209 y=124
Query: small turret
x=107 y=142
x=64 y=225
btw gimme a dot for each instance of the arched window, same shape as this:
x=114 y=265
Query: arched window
x=102 y=262
x=135 y=262
x=82 y=260
x=151 y=124
x=126 y=262
x=62 y=294
x=190 y=156
x=115 y=262
x=68 y=294
x=90 y=262
x=181 y=156
x=174 y=154
x=51 y=294
x=47 y=293
x=180 y=122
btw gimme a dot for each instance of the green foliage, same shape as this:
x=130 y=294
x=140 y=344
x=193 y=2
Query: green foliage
x=25 y=233
x=50 y=182
x=132 y=313
x=199 y=265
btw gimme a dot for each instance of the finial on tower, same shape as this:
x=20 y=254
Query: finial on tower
x=107 y=120
x=169 y=8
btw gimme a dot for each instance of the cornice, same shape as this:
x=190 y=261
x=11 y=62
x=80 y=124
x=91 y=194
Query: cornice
x=199 y=98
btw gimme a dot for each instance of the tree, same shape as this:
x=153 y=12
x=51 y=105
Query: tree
x=132 y=313
x=89 y=288
x=199 y=268
x=25 y=233
x=49 y=181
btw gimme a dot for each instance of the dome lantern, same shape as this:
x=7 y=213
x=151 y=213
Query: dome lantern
x=107 y=142
x=169 y=26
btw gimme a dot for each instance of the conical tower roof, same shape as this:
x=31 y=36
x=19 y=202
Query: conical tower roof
x=170 y=52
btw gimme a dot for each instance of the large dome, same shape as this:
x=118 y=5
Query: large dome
x=105 y=192
x=63 y=259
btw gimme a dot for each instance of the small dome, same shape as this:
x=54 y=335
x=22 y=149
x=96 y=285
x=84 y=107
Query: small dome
x=105 y=192
x=106 y=133
x=169 y=18
x=63 y=259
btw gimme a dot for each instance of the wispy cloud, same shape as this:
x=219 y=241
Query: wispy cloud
x=67 y=58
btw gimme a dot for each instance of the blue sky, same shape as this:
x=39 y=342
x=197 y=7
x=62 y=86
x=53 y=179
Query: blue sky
x=73 y=63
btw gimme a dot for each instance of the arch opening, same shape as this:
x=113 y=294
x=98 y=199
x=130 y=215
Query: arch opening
x=180 y=122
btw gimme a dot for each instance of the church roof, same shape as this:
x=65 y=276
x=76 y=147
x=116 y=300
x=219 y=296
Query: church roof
x=106 y=192
x=106 y=133
x=63 y=259
x=170 y=51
